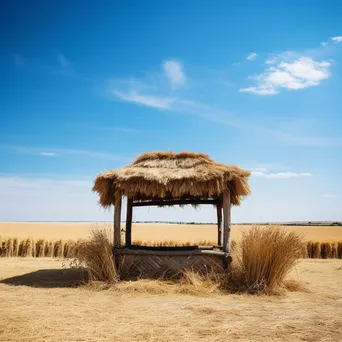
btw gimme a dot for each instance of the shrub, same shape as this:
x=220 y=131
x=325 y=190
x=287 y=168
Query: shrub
x=96 y=255
x=267 y=256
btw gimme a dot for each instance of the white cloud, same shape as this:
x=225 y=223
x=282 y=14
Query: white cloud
x=174 y=72
x=48 y=154
x=281 y=175
x=337 y=39
x=298 y=74
x=324 y=43
x=252 y=56
x=62 y=60
x=39 y=151
x=154 y=101
x=329 y=196
x=259 y=91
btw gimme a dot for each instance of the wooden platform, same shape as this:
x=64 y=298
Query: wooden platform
x=167 y=262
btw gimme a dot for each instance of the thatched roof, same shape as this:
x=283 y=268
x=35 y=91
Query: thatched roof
x=167 y=175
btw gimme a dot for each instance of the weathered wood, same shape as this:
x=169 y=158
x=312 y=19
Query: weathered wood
x=117 y=224
x=164 y=266
x=129 y=216
x=170 y=253
x=219 y=223
x=226 y=222
x=174 y=202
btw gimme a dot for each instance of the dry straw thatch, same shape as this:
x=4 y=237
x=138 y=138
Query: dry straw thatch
x=167 y=175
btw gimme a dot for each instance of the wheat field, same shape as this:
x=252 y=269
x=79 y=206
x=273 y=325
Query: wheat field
x=38 y=305
x=150 y=231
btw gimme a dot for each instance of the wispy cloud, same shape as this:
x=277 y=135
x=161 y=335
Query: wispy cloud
x=48 y=154
x=112 y=128
x=154 y=90
x=62 y=60
x=153 y=93
x=298 y=74
x=329 y=196
x=252 y=56
x=304 y=140
x=279 y=175
x=59 y=66
x=40 y=151
x=174 y=73
x=337 y=39
x=158 y=102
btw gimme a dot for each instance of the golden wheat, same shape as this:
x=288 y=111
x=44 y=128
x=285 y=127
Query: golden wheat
x=268 y=255
x=13 y=247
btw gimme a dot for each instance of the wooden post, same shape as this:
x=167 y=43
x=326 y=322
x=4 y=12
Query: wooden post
x=117 y=224
x=219 y=223
x=129 y=215
x=226 y=222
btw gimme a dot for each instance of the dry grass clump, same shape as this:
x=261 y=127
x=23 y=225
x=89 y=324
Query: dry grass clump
x=40 y=248
x=58 y=249
x=264 y=258
x=96 y=254
x=339 y=250
x=189 y=283
x=26 y=248
x=9 y=248
x=324 y=250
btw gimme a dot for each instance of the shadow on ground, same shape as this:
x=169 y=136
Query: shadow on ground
x=54 y=278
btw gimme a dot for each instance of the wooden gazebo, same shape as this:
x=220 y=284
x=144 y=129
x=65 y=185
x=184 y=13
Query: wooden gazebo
x=168 y=179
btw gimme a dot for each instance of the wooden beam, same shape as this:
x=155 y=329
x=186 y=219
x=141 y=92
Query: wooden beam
x=169 y=253
x=226 y=222
x=129 y=216
x=117 y=224
x=174 y=202
x=219 y=224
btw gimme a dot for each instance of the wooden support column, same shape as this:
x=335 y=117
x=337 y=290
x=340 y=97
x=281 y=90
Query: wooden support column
x=219 y=223
x=129 y=216
x=226 y=222
x=117 y=224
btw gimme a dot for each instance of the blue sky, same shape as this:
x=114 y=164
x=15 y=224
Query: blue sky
x=88 y=86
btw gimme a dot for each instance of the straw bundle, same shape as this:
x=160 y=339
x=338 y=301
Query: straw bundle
x=40 y=248
x=58 y=249
x=316 y=250
x=16 y=247
x=9 y=248
x=167 y=175
x=326 y=250
x=49 y=249
x=26 y=248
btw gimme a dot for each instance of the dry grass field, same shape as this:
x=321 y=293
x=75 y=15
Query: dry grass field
x=150 y=231
x=39 y=303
